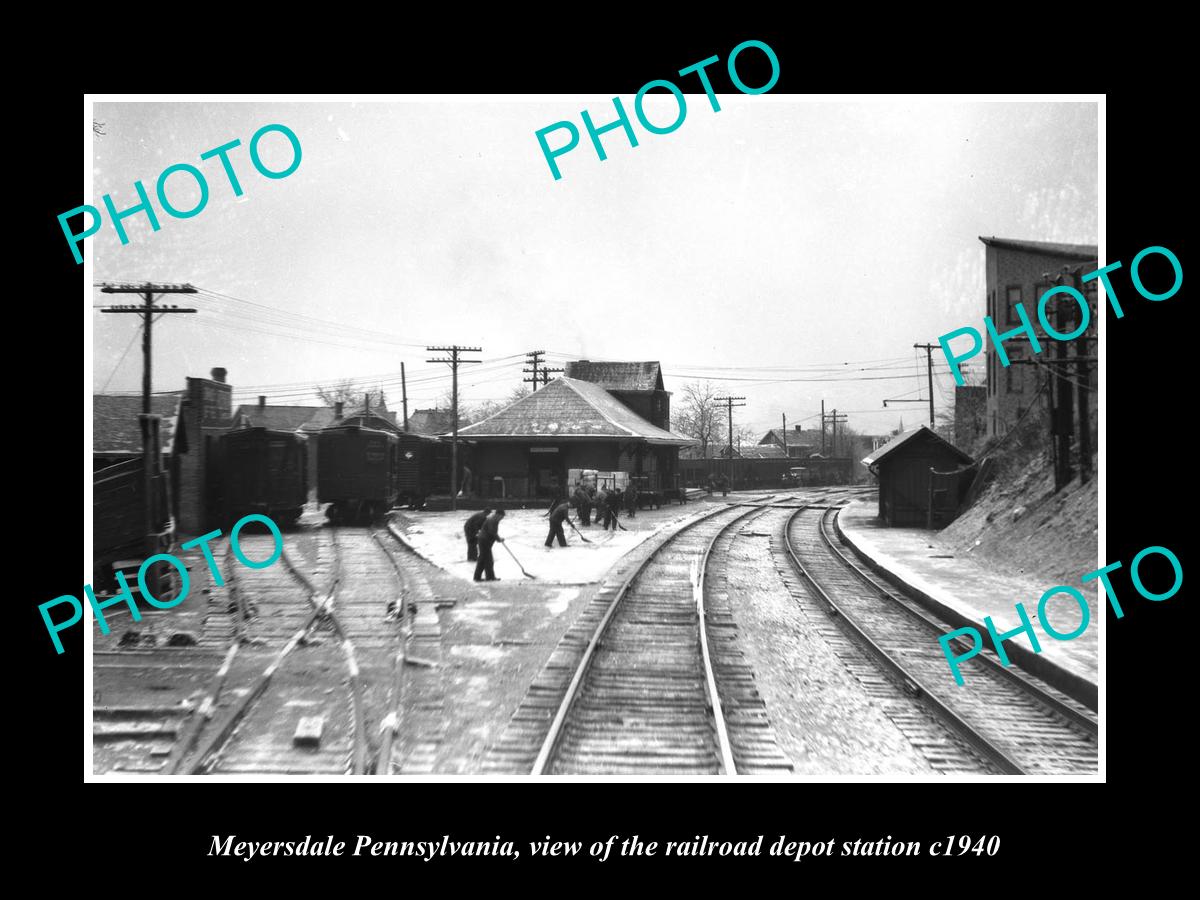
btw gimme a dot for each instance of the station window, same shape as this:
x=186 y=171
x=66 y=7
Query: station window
x=1013 y=295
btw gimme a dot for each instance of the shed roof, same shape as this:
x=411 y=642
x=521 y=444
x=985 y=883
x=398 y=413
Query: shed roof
x=641 y=377
x=570 y=409
x=1074 y=251
x=911 y=438
x=115 y=429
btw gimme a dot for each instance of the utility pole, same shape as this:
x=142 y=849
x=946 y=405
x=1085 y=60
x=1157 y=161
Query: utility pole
x=834 y=418
x=823 y=427
x=538 y=370
x=404 y=395
x=785 y=453
x=928 y=348
x=147 y=311
x=454 y=350
x=729 y=405
x=533 y=358
x=149 y=427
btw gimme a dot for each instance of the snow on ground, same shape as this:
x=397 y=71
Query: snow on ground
x=438 y=536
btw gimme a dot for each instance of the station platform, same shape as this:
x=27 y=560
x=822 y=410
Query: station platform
x=962 y=591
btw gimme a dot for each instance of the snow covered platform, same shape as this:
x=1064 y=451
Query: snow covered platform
x=438 y=536
x=963 y=590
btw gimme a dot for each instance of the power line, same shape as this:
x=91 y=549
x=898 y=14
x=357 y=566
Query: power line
x=128 y=347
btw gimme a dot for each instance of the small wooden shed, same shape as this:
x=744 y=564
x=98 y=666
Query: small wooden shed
x=905 y=467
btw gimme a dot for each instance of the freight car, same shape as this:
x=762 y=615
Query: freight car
x=357 y=471
x=423 y=468
x=263 y=471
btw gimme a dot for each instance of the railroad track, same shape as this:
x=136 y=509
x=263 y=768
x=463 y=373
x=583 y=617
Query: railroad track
x=660 y=686
x=297 y=701
x=1011 y=722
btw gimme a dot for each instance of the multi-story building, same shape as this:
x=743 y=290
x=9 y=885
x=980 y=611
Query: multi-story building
x=1020 y=272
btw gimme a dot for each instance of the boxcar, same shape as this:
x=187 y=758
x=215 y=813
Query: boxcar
x=357 y=471
x=423 y=468
x=263 y=471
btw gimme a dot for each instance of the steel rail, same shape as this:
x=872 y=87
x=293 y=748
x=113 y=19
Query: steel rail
x=978 y=741
x=995 y=665
x=391 y=723
x=320 y=608
x=550 y=743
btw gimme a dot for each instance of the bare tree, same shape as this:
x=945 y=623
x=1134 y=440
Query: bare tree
x=351 y=394
x=344 y=391
x=477 y=412
x=698 y=415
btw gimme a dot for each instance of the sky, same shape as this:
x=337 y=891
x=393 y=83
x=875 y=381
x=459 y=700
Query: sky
x=787 y=250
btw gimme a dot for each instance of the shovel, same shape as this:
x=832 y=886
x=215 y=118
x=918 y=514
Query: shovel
x=576 y=530
x=518 y=562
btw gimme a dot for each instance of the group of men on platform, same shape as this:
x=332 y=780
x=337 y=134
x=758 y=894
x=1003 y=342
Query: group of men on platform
x=482 y=529
x=606 y=502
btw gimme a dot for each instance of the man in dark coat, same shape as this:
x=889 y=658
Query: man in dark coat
x=488 y=535
x=559 y=513
x=602 y=507
x=631 y=499
x=583 y=503
x=612 y=506
x=471 y=530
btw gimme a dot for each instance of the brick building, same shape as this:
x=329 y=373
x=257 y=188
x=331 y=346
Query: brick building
x=1020 y=272
x=206 y=411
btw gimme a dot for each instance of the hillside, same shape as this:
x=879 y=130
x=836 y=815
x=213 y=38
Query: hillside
x=1019 y=522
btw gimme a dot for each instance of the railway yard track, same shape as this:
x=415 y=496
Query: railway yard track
x=325 y=665
x=300 y=673
x=1000 y=721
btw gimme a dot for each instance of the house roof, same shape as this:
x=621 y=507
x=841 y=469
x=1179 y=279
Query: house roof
x=753 y=451
x=322 y=418
x=279 y=418
x=115 y=428
x=618 y=376
x=570 y=409
x=380 y=419
x=429 y=421
x=811 y=437
x=909 y=439
x=1074 y=251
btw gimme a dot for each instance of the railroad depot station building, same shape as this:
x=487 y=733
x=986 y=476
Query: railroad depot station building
x=610 y=416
